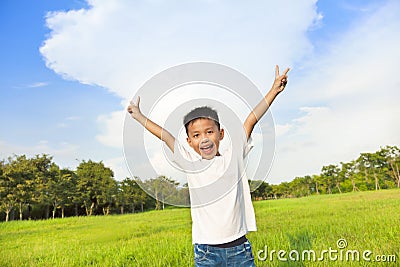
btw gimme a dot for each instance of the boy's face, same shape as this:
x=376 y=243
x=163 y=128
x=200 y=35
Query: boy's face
x=204 y=137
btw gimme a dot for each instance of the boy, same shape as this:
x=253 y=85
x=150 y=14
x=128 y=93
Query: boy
x=221 y=208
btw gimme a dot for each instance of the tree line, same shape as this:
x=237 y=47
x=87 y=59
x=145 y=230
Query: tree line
x=37 y=188
x=370 y=171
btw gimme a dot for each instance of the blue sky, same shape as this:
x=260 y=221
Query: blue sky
x=66 y=76
x=40 y=109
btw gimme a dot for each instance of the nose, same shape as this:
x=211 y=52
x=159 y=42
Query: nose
x=204 y=140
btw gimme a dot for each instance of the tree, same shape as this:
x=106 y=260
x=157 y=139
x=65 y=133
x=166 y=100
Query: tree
x=330 y=175
x=45 y=172
x=20 y=174
x=140 y=197
x=7 y=189
x=373 y=162
x=364 y=165
x=281 y=190
x=62 y=189
x=263 y=190
x=317 y=181
x=161 y=188
x=392 y=157
x=108 y=194
x=94 y=179
x=131 y=194
x=348 y=173
x=301 y=186
x=122 y=194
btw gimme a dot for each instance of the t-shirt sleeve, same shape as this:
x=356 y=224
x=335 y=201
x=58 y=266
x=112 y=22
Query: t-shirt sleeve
x=181 y=155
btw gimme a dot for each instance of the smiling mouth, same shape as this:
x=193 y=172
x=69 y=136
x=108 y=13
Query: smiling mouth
x=207 y=149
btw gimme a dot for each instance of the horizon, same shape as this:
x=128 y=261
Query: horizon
x=70 y=69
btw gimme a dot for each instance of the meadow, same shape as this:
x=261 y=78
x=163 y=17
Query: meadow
x=366 y=224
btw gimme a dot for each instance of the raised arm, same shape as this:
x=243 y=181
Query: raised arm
x=262 y=107
x=151 y=126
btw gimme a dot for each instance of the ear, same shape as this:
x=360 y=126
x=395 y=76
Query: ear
x=221 y=134
x=189 y=141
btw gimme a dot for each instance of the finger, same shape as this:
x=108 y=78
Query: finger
x=129 y=109
x=135 y=103
x=276 y=71
x=286 y=71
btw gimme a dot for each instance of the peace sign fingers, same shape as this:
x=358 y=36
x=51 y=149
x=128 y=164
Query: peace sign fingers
x=277 y=71
x=280 y=80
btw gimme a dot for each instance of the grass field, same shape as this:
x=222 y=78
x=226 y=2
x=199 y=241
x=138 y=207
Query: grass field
x=366 y=220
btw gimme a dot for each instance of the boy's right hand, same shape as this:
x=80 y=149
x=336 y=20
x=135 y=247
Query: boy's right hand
x=134 y=109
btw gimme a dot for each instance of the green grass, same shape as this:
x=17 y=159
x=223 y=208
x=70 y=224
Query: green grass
x=367 y=220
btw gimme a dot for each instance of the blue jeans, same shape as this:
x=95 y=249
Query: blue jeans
x=241 y=255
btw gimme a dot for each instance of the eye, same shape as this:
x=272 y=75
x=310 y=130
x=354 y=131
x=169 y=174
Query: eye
x=195 y=135
x=210 y=131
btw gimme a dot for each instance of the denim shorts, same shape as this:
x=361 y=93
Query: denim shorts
x=241 y=255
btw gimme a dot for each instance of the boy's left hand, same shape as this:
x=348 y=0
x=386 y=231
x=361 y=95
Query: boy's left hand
x=280 y=80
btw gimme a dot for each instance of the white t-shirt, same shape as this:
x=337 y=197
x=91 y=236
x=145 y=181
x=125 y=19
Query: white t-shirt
x=221 y=206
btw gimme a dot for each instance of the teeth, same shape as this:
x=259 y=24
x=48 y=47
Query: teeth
x=207 y=147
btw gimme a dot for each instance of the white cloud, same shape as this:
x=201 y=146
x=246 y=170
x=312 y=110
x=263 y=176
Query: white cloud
x=357 y=83
x=111 y=129
x=37 y=84
x=348 y=94
x=33 y=85
x=118 y=166
x=62 y=125
x=73 y=118
x=67 y=121
x=121 y=44
x=358 y=63
x=282 y=129
x=64 y=154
